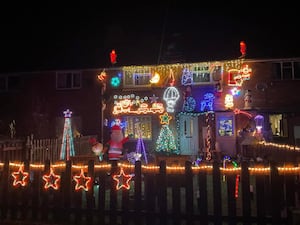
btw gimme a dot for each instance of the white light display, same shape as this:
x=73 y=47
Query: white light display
x=171 y=95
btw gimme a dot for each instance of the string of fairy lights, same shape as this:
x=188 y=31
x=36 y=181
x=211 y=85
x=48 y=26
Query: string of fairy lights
x=155 y=169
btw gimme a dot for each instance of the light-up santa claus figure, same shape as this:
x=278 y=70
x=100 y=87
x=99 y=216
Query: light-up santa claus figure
x=115 y=144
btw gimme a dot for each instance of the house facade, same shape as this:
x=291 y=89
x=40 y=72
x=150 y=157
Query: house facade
x=187 y=109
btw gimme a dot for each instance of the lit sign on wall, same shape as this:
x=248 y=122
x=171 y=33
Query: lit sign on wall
x=236 y=77
x=132 y=104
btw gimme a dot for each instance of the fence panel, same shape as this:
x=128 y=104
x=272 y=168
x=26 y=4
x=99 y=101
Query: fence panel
x=164 y=195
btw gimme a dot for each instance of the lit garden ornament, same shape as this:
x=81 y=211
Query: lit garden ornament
x=259 y=122
x=67 y=145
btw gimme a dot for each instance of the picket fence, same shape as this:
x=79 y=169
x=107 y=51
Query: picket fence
x=157 y=194
x=40 y=150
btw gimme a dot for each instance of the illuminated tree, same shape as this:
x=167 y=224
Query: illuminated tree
x=166 y=141
x=67 y=145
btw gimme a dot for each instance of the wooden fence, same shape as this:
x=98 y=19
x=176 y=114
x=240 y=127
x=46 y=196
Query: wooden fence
x=162 y=194
x=40 y=150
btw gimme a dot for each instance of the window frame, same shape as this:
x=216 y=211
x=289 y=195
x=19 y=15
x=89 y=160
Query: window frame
x=65 y=86
x=286 y=70
x=8 y=83
x=138 y=72
x=130 y=126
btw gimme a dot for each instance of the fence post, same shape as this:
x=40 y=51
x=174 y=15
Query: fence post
x=4 y=190
x=66 y=191
x=217 y=193
x=202 y=199
x=45 y=193
x=138 y=191
x=113 y=193
x=162 y=194
x=101 y=196
x=25 y=193
x=245 y=186
x=276 y=192
x=260 y=198
x=90 y=193
x=189 y=189
x=231 y=200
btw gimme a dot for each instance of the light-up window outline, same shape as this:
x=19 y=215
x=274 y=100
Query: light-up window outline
x=138 y=77
x=201 y=70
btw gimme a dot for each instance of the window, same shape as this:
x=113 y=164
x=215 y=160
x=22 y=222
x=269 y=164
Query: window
x=279 y=125
x=201 y=74
x=137 y=126
x=137 y=77
x=286 y=70
x=10 y=83
x=68 y=80
x=225 y=126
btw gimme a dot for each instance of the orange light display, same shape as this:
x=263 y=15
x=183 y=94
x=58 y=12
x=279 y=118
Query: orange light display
x=20 y=177
x=52 y=180
x=122 y=180
x=125 y=106
x=82 y=182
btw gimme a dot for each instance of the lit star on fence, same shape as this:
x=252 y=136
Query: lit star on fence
x=165 y=118
x=82 y=182
x=122 y=180
x=20 y=177
x=52 y=180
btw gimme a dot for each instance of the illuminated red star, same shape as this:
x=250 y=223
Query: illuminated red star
x=82 y=182
x=122 y=180
x=165 y=118
x=20 y=177
x=52 y=180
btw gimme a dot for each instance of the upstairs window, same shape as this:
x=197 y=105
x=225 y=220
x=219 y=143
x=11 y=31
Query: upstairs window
x=10 y=83
x=68 y=80
x=137 y=77
x=286 y=70
x=201 y=74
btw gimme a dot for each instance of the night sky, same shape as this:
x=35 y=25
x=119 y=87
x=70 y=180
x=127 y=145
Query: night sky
x=79 y=37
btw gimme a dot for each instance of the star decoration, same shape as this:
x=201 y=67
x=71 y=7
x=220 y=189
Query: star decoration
x=165 y=118
x=20 y=177
x=68 y=113
x=122 y=180
x=153 y=98
x=134 y=156
x=52 y=180
x=82 y=182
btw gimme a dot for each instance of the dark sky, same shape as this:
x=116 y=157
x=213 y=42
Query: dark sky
x=56 y=37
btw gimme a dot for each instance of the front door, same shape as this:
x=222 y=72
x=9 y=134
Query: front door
x=188 y=131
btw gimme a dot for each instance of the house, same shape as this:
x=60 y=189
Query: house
x=192 y=109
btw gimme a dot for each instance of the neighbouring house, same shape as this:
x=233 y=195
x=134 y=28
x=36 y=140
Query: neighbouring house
x=198 y=109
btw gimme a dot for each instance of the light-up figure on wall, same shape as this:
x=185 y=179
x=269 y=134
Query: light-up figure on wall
x=228 y=101
x=171 y=95
x=187 y=77
x=207 y=102
x=67 y=145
